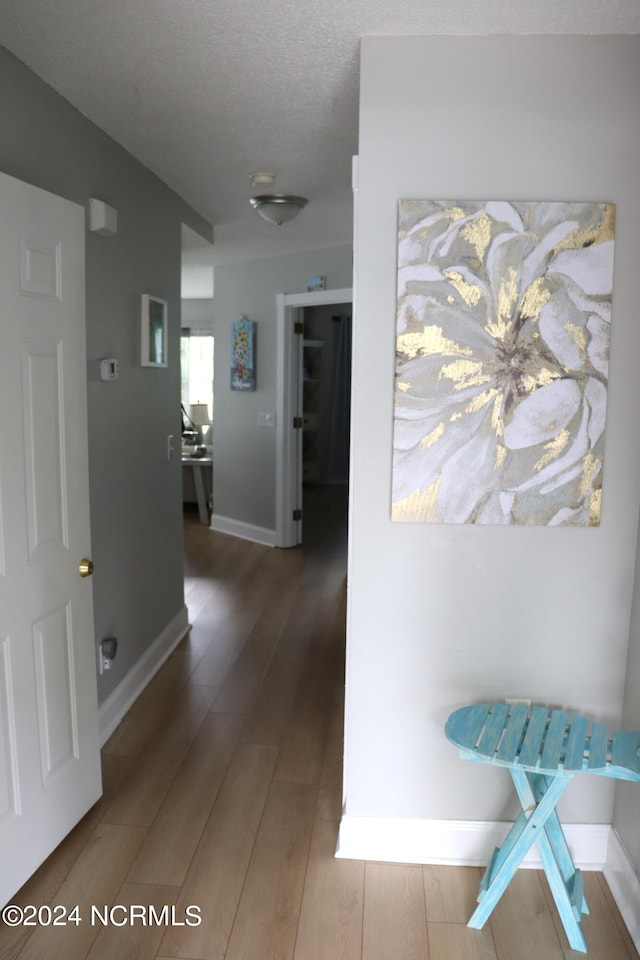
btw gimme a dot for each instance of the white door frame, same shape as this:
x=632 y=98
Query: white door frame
x=287 y=405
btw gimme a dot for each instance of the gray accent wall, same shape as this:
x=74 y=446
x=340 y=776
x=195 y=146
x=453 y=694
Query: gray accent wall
x=440 y=616
x=244 y=454
x=135 y=490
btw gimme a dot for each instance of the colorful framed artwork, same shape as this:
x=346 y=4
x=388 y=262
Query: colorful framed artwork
x=502 y=349
x=243 y=355
x=153 y=332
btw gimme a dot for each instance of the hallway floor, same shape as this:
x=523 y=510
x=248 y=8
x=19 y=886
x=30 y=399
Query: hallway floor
x=223 y=798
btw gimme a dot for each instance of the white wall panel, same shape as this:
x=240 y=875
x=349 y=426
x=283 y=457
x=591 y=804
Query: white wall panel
x=442 y=615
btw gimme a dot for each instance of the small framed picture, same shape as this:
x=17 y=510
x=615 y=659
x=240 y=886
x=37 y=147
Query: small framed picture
x=316 y=283
x=153 y=332
x=243 y=371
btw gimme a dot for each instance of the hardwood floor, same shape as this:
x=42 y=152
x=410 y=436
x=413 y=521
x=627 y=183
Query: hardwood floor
x=223 y=793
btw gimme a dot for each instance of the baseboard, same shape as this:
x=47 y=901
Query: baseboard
x=456 y=842
x=246 y=531
x=624 y=885
x=113 y=709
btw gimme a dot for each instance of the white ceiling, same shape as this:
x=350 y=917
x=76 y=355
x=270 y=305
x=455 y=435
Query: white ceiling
x=204 y=92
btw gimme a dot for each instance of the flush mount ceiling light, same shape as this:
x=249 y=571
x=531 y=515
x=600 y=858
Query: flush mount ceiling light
x=278 y=207
x=262 y=179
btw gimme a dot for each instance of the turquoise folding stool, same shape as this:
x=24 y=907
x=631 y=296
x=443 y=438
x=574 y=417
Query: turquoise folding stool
x=542 y=749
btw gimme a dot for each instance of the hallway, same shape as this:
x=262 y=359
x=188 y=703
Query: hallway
x=223 y=797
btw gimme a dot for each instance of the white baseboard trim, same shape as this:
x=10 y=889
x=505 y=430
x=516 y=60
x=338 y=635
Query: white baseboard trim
x=624 y=885
x=246 y=531
x=456 y=842
x=113 y=709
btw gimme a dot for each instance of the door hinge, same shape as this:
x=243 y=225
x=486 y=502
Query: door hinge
x=298 y=326
x=297 y=423
x=297 y=514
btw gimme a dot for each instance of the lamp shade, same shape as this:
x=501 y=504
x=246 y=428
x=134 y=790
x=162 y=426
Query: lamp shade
x=199 y=414
x=278 y=208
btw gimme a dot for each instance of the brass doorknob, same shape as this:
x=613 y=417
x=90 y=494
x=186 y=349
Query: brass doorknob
x=85 y=567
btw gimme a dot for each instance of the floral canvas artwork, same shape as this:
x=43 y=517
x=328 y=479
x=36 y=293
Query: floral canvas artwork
x=503 y=330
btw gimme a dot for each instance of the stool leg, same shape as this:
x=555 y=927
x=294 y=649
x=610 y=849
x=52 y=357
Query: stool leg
x=538 y=784
x=523 y=834
x=564 y=880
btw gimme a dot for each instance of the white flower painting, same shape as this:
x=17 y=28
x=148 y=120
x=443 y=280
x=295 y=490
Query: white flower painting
x=503 y=329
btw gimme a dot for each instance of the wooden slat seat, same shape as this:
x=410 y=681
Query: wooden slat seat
x=543 y=749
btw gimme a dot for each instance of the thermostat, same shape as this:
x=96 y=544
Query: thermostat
x=109 y=369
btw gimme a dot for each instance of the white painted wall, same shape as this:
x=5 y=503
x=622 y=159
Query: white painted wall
x=197 y=314
x=440 y=616
x=626 y=817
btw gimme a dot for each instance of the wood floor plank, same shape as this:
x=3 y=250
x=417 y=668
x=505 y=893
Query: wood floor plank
x=94 y=880
x=304 y=740
x=273 y=711
x=228 y=640
x=602 y=934
x=198 y=592
x=395 y=921
x=217 y=873
x=451 y=892
x=332 y=903
x=613 y=907
x=242 y=682
x=140 y=722
x=235 y=824
x=303 y=614
x=176 y=831
x=208 y=552
x=129 y=932
x=241 y=686
x=521 y=922
x=267 y=917
x=43 y=886
x=455 y=941
x=330 y=791
x=140 y=798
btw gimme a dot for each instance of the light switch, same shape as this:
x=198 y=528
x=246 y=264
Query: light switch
x=266 y=418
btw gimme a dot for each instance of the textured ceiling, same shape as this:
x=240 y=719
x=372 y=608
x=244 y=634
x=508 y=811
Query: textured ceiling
x=204 y=92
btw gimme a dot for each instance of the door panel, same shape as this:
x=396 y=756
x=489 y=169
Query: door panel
x=57 y=719
x=8 y=756
x=49 y=749
x=43 y=380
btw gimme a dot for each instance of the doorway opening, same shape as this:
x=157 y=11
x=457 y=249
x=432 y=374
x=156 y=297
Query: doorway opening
x=196 y=374
x=314 y=399
x=326 y=394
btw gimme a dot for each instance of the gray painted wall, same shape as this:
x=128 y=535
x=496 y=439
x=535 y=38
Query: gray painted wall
x=440 y=616
x=244 y=462
x=135 y=491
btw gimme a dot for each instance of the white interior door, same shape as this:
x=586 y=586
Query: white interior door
x=49 y=749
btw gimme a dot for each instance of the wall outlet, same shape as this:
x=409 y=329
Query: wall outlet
x=107 y=653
